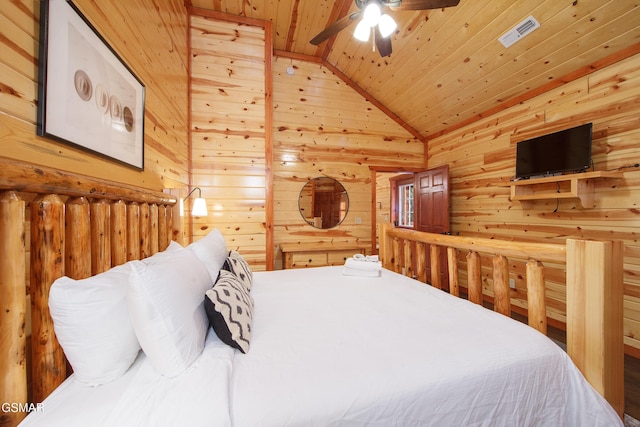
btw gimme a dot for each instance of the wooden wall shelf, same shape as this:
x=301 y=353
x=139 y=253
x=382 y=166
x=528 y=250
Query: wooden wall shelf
x=582 y=186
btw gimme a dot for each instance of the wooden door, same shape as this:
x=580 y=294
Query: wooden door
x=322 y=208
x=432 y=210
x=432 y=200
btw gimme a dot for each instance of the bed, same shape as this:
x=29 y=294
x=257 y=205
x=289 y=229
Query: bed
x=323 y=348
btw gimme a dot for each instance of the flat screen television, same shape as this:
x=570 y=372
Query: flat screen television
x=568 y=150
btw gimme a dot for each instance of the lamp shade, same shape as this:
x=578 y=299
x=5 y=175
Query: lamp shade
x=199 y=207
x=387 y=25
x=371 y=14
x=362 y=31
x=199 y=203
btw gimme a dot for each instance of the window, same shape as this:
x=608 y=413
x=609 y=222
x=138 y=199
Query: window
x=402 y=189
x=405 y=205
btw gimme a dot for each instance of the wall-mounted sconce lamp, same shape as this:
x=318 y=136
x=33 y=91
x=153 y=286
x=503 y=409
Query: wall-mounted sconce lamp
x=199 y=204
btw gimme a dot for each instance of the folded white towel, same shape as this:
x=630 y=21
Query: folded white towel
x=346 y=271
x=362 y=264
x=360 y=257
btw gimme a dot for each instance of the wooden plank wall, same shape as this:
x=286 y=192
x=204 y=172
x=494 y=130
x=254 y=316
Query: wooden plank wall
x=151 y=37
x=323 y=127
x=483 y=153
x=228 y=103
x=163 y=71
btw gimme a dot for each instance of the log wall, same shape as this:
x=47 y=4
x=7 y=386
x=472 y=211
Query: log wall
x=151 y=38
x=323 y=127
x=152 y=41
x=483 y=154
x=319 y=126
x=229 y=140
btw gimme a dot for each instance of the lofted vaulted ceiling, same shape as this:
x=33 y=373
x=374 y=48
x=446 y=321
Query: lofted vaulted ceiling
x=448 y=67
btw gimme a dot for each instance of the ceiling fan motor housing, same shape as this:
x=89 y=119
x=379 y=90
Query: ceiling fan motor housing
x=391 y=3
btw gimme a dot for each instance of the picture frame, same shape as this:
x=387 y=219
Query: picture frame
x=88 y=96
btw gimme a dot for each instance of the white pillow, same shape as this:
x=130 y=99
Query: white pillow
x=92 y=323
x=173 y=246
x=165 y=301
x=211 y=250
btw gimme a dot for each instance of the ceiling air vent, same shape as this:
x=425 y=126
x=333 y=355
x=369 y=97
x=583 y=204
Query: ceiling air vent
x=519 y=31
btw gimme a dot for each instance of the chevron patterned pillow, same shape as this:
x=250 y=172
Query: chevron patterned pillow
x=236 y=264
x=229 y=307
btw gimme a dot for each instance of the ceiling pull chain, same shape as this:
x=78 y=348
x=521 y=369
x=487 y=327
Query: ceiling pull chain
x=373 y=39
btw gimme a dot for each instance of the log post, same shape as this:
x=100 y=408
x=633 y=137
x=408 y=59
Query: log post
x=397 y=259
x=47 y=264
x=163 y=227
x=474 y=271
x=77 y=239
x=170 y=224
x=133 y=231
x=501 y=296
x=385 y=246
x=421 y=255
x=536 y=296
x=436 y=278
x=408 y=255
x=145 y=226
x=13 y=305
x=100 y=236
x=452 y=258
x=595 y=286
x=118 y=232
x=153 y=229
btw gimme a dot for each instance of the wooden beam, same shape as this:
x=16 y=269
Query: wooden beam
x=339 y=10
x=47 y=264
x=27 y=177
x=269 y=178
x=13 y=306
x=595 y=286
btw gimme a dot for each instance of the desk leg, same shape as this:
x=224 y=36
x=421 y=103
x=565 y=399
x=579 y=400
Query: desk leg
x=288 y=260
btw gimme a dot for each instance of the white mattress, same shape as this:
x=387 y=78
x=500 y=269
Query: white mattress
x=332 y=350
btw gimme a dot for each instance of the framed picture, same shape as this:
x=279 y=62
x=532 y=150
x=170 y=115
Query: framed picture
x=88 y=96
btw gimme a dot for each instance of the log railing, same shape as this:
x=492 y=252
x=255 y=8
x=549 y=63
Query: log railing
x=69 y=225
x=594 y=283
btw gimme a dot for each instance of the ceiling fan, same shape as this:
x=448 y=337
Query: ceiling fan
x=374 y=20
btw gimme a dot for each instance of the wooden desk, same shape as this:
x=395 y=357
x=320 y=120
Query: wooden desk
x=300 y=255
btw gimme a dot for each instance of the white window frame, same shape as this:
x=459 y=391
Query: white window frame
x=406 y=209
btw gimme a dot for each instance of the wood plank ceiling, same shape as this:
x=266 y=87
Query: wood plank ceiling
x=448 y=67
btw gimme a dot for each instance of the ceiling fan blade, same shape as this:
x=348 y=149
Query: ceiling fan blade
x=334 y=28
x=383 y=44
x=425 y=4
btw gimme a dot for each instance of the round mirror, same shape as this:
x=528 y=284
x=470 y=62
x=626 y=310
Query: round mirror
x=323 y=202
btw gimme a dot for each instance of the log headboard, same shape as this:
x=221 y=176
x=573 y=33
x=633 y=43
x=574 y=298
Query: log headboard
x=52 y=224
x=594 y=288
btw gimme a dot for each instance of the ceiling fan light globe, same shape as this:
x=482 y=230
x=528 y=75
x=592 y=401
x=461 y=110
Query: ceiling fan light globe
x=387 y=25
x=371 y=14
x=362 y=31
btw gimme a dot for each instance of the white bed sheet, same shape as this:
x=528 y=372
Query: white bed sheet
x=143 y=397
x=434 y=360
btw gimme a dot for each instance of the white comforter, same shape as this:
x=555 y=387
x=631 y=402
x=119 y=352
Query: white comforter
x=332 y=350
